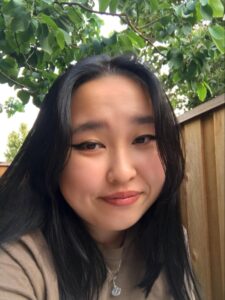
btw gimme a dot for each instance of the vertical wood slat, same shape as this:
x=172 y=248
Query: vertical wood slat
x=212 y=205
x=3 y=168
x=196 y=205
x=219 y=137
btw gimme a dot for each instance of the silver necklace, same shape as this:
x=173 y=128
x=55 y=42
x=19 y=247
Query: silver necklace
x=116 y=290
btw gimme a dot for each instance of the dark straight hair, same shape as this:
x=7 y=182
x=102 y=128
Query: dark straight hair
x=30 y=197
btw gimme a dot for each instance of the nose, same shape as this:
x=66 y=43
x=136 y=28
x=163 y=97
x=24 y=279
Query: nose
x=121 y=168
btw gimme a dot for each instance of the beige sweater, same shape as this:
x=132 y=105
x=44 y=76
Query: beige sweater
x=27 y=273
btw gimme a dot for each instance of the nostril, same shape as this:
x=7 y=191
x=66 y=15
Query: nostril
x=120 y=173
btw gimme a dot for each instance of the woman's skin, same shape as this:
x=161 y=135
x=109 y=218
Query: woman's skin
x=114 y=172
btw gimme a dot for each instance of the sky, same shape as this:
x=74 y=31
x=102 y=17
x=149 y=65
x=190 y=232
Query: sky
x=8 y=125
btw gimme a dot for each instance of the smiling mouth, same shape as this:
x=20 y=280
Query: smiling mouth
x=122 y=198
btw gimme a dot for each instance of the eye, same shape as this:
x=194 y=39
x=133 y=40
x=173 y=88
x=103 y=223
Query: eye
x=144 y=139
x=87 y=146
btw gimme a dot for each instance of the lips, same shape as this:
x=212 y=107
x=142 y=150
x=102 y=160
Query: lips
x=122 y=198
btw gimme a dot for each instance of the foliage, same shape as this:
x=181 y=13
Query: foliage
x=15 y=141
x=39 y=39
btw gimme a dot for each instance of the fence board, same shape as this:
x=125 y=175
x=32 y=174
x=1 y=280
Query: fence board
x=212 y=205
x=3 y=168
x=196 y=205
x=219 y=137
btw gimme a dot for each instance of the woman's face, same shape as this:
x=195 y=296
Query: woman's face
x=113 y=173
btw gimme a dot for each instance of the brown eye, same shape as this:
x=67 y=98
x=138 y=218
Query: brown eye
x=87 y=146
x=144 y=139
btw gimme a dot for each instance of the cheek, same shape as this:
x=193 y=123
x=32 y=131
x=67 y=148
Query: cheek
x=80 y=177
x=152 y=169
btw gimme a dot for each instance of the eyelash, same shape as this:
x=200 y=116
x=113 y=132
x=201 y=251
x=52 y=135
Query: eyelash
x=150 y=138
x=91 y=146
x=84 y=146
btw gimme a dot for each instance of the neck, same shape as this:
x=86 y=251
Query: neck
x=109 y=239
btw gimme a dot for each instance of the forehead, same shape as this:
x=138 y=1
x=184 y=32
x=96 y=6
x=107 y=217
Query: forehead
x=111 y=97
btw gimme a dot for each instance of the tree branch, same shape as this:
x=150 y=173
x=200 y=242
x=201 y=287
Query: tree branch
x=147 y=39
x=12 y=80
x=89 y=9
x=124 y=17
x=26 y=58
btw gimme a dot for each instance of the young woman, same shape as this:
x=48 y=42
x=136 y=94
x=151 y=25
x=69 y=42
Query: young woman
x=89 y=207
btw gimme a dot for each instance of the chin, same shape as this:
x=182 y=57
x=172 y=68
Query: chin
x=120 y=226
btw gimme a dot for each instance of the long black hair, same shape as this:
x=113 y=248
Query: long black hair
x=30 y=197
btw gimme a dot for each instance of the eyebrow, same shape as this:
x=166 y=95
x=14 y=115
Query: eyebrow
x=95 y=125
x=90 y=125
x=143 y=120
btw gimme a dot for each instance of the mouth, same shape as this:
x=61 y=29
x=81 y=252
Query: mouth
x=122 y=198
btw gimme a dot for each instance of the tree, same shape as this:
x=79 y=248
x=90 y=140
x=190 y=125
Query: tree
x=39 y=39
x=15 y=141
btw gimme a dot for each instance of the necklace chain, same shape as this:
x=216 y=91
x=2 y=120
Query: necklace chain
x=116 y=290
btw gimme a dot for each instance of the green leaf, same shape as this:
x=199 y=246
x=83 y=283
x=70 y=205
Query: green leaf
x=201 y=91
x=27 y=35
x=38 y=99
x=154 y=5
x=47 y=20
x=220 y=44
x=60 y=39
x=67 y=37
x=103 y=5
x=217 y=32
x=217 y=7
x=198 y=14
x=14 y=8
x=186 y=29
x=48 y=1
x=170 y=29
x=175 y=58
x=74 y=16
x=190 y=6
x=124 y=40
x=136 y=39
x=191 y=70
x=34 y=23
x=176 y=62
x=176 y=77
x=208 y=88
x=97 y=46
x=9 y=66
x=178 y=9
x=24 y=96
x=206 y=12
x=113 y=6
x=13 y=105
x=42 y=31
x=46 y=45
x=64 y=23
x=165 y=20
x=20 y=23
x=46 y=38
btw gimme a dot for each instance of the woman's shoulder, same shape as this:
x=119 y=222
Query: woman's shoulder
x=27 y=270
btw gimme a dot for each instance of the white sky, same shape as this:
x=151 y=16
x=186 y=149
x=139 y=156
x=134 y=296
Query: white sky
x=7 y=125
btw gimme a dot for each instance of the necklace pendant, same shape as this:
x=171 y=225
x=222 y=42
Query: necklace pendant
x=116 y=291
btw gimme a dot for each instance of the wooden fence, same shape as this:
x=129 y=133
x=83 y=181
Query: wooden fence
x=3 y=167
x=203 y=193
